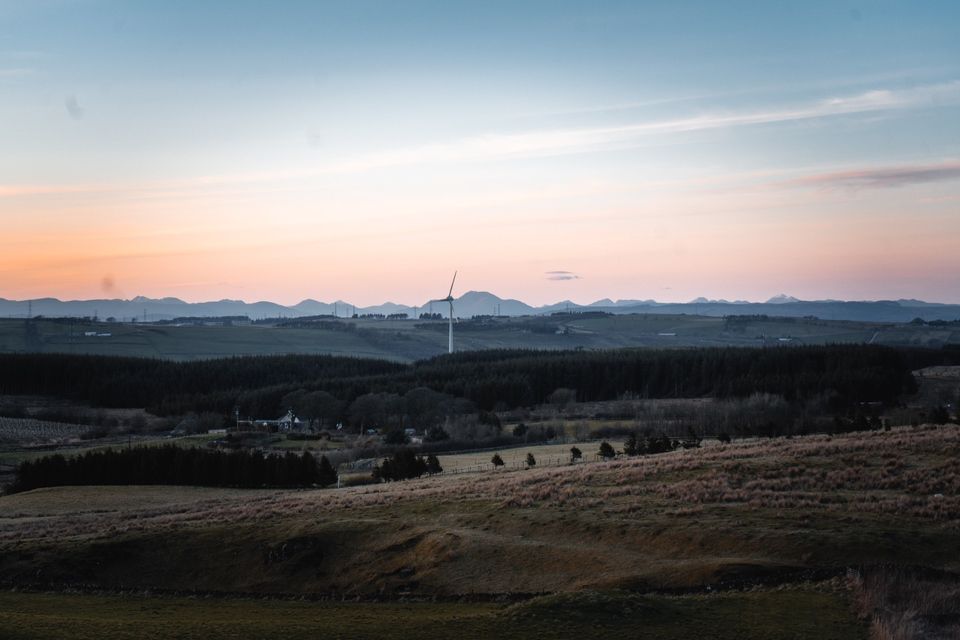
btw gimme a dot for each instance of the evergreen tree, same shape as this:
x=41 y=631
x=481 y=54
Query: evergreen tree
x=606 y=451
x=433 y=465
x=402 y=465
x=326 y=474
x=170 y=465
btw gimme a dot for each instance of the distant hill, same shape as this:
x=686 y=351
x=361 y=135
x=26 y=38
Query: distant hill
x=474 y=303
x=782 y=299
x=482 y=303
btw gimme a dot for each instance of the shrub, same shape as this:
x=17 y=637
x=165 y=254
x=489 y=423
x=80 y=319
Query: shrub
x=660 y=444
x=433 y=465
x=326 y=474
x=531 y=461
x=403 y=465
x=575 y=454
x=496 y=460
x=606 y=451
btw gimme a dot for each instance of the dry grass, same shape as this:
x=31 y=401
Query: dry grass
x=906 y=472
x=681 y=518
x=908 y=603
x=515 y=457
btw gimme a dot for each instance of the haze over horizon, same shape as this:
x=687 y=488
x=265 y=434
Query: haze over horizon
x=472 y=296
x=598 y=301
x=363 y=151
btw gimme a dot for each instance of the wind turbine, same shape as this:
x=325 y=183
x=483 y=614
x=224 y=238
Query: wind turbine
x=449 y=299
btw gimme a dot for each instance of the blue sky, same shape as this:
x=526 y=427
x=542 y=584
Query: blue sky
x=362 y=150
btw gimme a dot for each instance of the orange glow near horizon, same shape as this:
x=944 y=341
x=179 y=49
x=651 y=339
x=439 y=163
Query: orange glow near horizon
x=670 y=243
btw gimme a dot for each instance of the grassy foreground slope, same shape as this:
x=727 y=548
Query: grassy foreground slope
x=752 y=512
x=790 y=613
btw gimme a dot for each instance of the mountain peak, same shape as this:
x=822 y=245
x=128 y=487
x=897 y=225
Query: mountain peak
x=782 y=299
x=702 y=300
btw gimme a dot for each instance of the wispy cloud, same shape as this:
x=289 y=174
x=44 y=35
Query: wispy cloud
x=500 y=146
x=495 y=146
x=561 y=275
x=16 y=72
x=879 y=177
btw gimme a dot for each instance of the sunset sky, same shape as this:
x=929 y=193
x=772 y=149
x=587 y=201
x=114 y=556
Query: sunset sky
x=547 y=150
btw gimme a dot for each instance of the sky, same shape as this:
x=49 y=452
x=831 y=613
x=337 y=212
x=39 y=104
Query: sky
x=546 y=150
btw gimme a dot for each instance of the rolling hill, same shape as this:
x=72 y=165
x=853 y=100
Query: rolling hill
x=480 y=303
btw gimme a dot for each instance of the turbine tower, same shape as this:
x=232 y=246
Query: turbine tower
x=449 y=299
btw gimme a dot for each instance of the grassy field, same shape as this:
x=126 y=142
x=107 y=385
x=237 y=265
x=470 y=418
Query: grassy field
x=814 y=611
x=412 y=340
x=198 y=342
x=751 y=515
x=515 y=457
x=674 y=520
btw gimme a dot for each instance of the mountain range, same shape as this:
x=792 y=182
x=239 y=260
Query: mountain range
x=475 y=303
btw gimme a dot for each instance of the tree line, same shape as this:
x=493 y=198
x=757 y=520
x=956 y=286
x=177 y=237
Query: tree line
x=116 y=381
x=172 y=465
x=405 y=465
x=492 y=380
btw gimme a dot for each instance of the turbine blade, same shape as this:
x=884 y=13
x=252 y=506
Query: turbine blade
x=451 y=284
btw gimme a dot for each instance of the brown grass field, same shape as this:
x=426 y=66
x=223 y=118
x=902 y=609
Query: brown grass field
x=751 y=515
x=515 y=457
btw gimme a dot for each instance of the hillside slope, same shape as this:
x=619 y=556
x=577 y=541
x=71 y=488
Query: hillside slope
x=758 y=511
